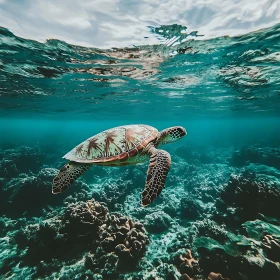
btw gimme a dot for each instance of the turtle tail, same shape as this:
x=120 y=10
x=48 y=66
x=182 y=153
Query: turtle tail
x=67 y=175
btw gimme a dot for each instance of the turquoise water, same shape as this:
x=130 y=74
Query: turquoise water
x=221 y=198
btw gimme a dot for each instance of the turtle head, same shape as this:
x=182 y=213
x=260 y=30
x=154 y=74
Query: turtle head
x=171 y=134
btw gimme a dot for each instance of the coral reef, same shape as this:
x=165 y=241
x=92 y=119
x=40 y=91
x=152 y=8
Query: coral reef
x=212 y=221
x=17 y=195
x=114 y=193
x=250 y=198
x=189 y=266
x=157 y=222
x=22 y=160
x=107 y=242
x=250 y=154
x=238 y=255
x=190 y=208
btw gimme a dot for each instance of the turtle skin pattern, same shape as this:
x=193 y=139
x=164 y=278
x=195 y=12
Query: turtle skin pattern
x=171 y=135
x=67 y=175
x=158 y=169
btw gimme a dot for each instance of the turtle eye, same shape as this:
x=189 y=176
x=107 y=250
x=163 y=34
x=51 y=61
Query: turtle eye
x=65 y=167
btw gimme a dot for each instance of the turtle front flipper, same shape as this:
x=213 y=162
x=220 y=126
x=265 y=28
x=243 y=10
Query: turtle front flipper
x=158 y=169
x=67 y=175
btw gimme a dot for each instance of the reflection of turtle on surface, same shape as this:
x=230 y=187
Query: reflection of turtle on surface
x=123 y=145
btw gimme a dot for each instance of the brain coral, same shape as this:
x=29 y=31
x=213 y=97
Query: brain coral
x=82 y=231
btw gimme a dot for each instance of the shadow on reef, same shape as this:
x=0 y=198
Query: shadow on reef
x=217 y=218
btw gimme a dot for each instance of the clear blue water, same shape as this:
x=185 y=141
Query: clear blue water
x=198 y=83
x=224 y=91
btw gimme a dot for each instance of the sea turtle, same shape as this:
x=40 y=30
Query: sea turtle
x=122 y=145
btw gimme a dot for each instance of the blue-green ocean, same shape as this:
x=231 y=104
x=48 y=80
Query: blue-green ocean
x=218 y=216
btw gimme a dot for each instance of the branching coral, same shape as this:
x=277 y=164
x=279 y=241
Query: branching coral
x=189 y=265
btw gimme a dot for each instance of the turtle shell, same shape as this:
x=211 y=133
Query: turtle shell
x=115 y=144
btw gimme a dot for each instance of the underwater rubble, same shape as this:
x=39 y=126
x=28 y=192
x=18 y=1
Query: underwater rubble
x=217 y=219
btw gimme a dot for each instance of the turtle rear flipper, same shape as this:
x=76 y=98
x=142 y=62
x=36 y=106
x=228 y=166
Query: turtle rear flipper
x=67 y=175
x=158 y=169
